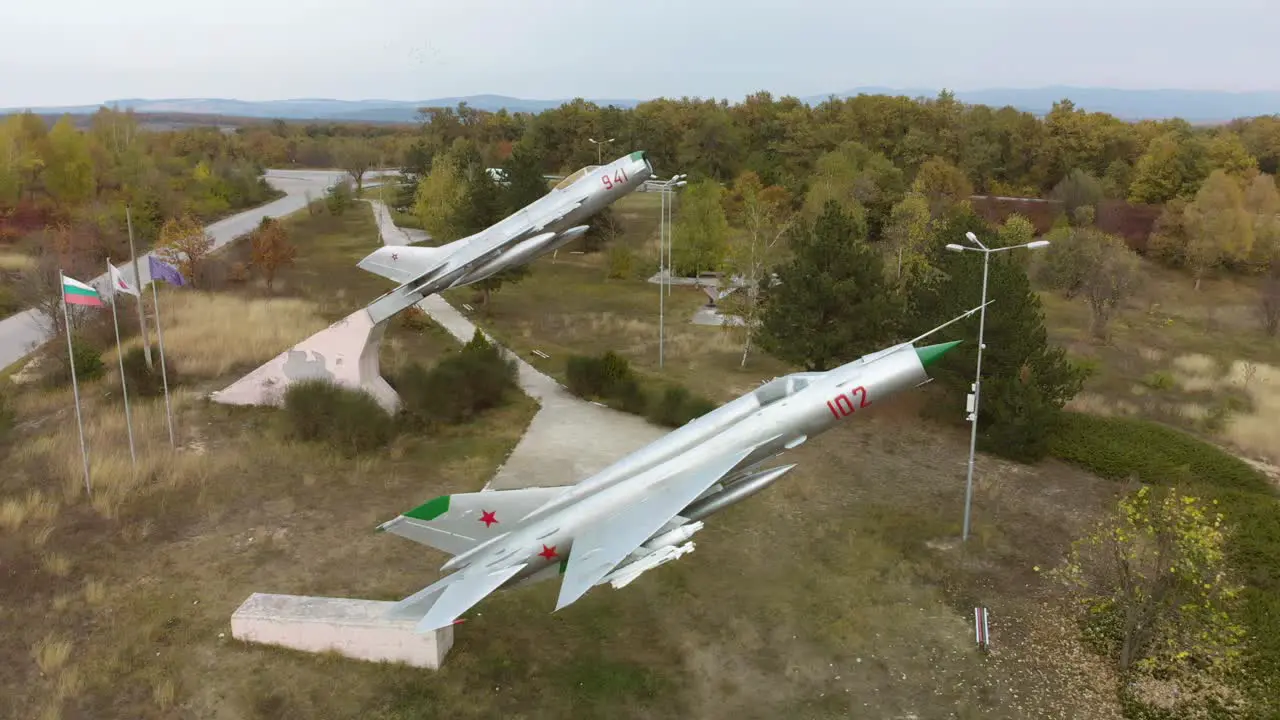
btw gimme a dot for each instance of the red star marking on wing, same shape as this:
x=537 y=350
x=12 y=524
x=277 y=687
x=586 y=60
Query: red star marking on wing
x=395 y=256
x=488 y=518
x=548 y=552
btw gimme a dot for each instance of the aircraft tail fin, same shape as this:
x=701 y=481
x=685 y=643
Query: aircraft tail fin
x=401 y=263
x=458 y=523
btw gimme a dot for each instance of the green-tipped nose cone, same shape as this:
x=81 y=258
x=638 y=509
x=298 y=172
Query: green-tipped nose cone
x=929 y=354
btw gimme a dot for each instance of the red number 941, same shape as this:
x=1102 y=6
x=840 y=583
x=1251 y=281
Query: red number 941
x=844 y=404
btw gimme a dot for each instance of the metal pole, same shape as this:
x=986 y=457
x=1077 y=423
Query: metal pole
x=137 y=281
x=977 y=393
x=164 y=373
x=75 y=385
x=661 y=294
x=124 y=386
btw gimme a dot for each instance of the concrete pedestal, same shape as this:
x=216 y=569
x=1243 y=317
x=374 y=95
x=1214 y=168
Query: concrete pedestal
x=346 y=353
x=358 y=629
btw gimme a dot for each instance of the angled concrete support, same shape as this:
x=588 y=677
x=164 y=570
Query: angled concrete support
x=345 y=353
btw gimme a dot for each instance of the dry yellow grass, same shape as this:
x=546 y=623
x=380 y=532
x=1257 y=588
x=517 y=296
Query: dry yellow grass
x=209 y=334
x=51 y=653
x=1256 y=433
x=56 y=565
x=95 y=591
x=16 y=262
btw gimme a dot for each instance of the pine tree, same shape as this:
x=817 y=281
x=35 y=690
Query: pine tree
x=831 y=303
x=482 y=206
x=1026 y=381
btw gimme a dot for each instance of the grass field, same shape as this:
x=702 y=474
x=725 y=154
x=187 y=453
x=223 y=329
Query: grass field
x=1194 y=359
x=840 y=592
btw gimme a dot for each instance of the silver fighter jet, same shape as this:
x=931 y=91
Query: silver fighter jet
x=640 y=512
x=544 y=225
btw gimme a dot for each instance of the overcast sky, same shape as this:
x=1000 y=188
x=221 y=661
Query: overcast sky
x=58 y=52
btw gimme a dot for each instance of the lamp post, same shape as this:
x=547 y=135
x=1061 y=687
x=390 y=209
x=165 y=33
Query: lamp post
x=976 y=395
x=664 y=233
x=598 y=144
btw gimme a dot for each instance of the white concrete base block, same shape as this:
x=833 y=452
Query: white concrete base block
x=346 y=353
x=357 y=629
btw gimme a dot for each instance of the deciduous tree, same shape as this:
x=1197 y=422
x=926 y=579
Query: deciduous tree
x=763 y=214
x=1154 y=589
x=1269 y=299
x=831 y=303
x=1262 y=201
x=440 y=194
x=701 y=230
x=68 y=174
x=184 y=242
x=271 y=249
x=1097 y=265
x=944 y=185
x=1077 y=190
x=909 y=234
x=1219 y=229
x=356 y=156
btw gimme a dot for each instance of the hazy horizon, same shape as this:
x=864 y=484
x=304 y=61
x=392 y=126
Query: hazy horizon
x=403 y=50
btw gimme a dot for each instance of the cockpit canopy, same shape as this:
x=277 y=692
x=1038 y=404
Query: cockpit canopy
x=571 y=179
x=785 y=386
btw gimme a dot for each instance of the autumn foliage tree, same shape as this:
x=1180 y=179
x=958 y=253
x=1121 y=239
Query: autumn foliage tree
x=271 y=249
x=1098 y=266
x=1153 y=587
x=184 y=242
x=763 y=215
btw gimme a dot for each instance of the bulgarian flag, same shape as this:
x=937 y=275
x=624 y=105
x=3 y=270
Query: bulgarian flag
x=75 y=292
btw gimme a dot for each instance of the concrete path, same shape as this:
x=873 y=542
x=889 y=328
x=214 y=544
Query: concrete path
x=570 y=438
x=20 y=334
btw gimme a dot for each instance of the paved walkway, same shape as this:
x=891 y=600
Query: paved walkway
x=22 y=333
x=570 y=438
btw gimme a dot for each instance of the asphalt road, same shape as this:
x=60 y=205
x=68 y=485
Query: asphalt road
x=21 y=334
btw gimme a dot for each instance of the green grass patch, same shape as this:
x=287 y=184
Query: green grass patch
x=1120 y=448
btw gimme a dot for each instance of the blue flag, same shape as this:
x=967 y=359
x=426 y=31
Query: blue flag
x=161 y=270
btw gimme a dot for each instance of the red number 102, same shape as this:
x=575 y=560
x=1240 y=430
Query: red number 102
x=842 y=405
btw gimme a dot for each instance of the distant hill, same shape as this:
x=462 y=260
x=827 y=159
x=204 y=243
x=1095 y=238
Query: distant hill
x=1200 y=106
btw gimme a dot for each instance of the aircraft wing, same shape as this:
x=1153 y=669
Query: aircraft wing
x=462 y=591
x=608 y=540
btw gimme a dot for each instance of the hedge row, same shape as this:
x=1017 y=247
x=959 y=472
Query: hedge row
x=610 y=379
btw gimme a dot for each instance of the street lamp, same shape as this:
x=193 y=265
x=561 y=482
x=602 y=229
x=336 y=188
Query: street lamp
x=664 y=234
x=598 y=144
x=976 y=395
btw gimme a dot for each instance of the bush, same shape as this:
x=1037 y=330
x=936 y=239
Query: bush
x=459 y=387
x=1120 y=448
x=7 y=417
x=143 y=381
x=350 y=420
x=9 y=303
x=676 y=406
x=339 y=197
x=89 y=365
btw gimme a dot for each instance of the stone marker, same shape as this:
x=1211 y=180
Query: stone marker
x=354 y=628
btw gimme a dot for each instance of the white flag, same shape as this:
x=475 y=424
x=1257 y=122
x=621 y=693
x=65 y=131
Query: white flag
x=118 y=283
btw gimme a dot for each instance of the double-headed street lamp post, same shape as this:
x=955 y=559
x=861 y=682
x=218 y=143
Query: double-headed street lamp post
x=598 y=144
x=664 y=273
x=977 y=380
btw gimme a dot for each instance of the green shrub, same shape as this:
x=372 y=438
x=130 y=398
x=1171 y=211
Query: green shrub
x=9 y=303
x=609 y=378
x=88 y=359
x=143 y=381
x=350 y=420
x=459 y=387
x=1120 y=448
x=339 y=197
x=7 y=417
x=677 y=406
x=1159 y=380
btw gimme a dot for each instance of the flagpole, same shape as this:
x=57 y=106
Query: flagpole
x=137 y=282
x=164 y=374
x=124 y=386
x=75 y=385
